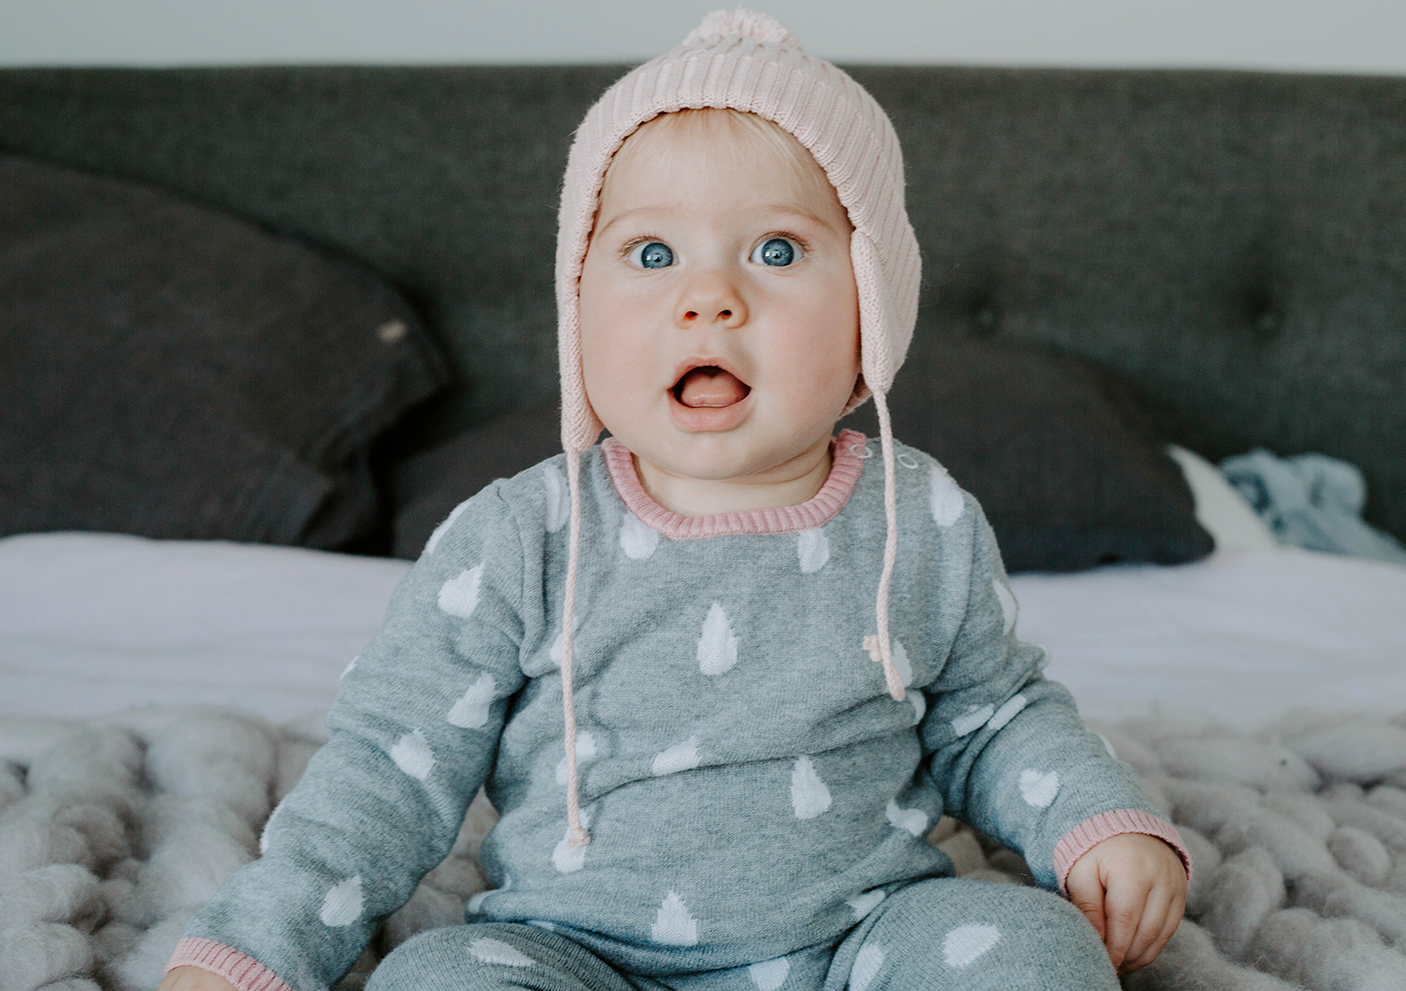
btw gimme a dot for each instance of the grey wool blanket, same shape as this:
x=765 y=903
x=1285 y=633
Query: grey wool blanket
x=114 y=831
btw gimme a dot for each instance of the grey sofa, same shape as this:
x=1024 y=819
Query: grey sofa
x=1235 y=243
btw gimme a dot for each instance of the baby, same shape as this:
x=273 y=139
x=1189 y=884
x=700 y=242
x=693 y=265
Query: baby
x=721 y=673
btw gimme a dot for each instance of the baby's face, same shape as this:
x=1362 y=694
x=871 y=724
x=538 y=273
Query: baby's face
x=719 y=316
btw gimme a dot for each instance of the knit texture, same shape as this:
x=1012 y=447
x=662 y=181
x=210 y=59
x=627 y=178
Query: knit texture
x=849 y=450
x=963 y=933
x=748 y=781
x=240 y=970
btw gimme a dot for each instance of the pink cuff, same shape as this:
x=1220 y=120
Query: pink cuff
x=244 y=972
x=1084 y=836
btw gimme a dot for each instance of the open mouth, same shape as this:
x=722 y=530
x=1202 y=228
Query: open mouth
x=710 y=387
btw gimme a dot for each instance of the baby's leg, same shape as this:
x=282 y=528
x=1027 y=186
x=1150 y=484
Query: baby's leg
x=493 y=957
x=956 y=934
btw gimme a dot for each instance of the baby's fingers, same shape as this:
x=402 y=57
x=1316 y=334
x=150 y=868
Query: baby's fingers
x=1091 y=904
x=1149 y=930
x=1086 y=893
x=1124 y=911
x=1159 y=925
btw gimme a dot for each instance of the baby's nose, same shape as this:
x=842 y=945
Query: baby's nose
x=710 y=298
x=693 y=314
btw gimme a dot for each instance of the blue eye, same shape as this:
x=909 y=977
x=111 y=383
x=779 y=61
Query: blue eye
x=652 y=254
x=776 y=251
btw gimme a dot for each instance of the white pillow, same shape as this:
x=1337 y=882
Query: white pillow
x=1220 y=509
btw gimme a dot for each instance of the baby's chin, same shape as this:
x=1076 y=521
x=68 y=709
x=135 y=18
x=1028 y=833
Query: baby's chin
x=733 y=456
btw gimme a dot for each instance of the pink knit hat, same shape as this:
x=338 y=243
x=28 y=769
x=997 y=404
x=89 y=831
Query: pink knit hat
x=747 y=61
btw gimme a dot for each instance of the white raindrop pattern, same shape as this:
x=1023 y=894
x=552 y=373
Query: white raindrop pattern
x=443 y=528
x=471 y=711
x=268 y=824
x=495 y=951
x=913 y=820
x=343 y=903
x=900 y=661
x=866 y=966
x=920 y=705
x=577 y=620
x=459 y=596
x=944 y=498
x=813 y=550
x=569 y=859
x=558 y=498
x=1039 y=788
x=585 y=752
x=809 y=796
x=865 y=903
x=674 y=926
x=1009 y=608
x=679 y=757
x=973 y=719
x=1008 y=711
x=717 y=647
x=412 y=754
x=637 y=540
x=769 y=975
x=965 y=944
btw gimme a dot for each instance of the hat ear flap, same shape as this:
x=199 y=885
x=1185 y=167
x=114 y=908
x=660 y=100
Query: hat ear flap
x=579 y=424
x=883 y=341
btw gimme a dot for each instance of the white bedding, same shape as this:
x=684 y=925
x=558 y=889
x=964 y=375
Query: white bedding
x=1241 y=637
x=94 y=623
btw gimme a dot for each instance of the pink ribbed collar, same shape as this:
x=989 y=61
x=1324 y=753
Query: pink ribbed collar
x=820 y=509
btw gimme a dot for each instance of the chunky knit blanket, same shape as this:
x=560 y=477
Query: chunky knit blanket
x=114 y=831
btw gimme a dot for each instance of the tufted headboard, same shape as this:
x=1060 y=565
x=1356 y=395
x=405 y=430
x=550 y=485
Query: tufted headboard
x=1233 y=242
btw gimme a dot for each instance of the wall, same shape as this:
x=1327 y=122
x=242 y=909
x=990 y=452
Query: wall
x=1309 y=35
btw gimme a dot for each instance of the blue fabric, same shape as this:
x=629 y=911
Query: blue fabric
x=1311 y=501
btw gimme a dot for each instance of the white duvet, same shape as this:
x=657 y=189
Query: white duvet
x=1241 y=637
x=94 y=623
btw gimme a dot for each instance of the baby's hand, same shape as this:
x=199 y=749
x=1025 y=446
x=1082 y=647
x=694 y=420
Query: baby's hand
x=1132 y=887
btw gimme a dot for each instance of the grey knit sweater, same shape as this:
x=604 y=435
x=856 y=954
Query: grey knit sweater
x=750 y=786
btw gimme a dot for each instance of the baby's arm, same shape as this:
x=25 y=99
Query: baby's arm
x=412 y=736
x=1013 y=758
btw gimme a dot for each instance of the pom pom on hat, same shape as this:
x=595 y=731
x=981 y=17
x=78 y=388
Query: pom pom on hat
x=745 y=23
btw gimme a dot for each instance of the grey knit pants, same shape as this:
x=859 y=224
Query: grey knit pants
x=952 y=934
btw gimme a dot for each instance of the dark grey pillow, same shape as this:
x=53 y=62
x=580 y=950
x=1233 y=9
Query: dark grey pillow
x=430 y=484
x=172 y=371
x=1059 y=452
